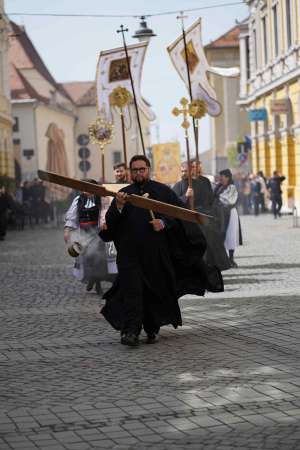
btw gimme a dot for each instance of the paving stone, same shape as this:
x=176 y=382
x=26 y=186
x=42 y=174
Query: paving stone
x=226 y=380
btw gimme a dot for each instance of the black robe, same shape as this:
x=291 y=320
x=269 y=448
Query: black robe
x=203 y=193
x=204 y=202
x=168 y=261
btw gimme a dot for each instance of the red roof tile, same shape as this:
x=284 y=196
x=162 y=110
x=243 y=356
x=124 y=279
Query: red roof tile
x=77 y=89
x=23 y=55
x=229 y=39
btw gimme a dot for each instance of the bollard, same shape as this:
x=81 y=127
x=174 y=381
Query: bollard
x=295 y=217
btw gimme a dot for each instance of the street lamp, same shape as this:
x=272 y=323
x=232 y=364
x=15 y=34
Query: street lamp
x=143 y=33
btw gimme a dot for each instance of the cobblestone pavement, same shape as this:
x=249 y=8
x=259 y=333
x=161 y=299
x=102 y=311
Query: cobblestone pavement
x=228 y=379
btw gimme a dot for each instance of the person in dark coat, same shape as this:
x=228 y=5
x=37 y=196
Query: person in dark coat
x=157 y=258
x=5 y=205
x=203 y=199
x=274 y=187
x=201 y=190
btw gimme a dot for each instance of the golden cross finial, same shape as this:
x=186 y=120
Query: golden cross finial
x=198 y=109
x=185 y=111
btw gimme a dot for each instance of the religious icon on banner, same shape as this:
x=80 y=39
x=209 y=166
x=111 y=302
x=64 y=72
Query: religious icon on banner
x=118 y=70
x=166 y=162
x=192 y=56
x=112 y=73
x=201 y=87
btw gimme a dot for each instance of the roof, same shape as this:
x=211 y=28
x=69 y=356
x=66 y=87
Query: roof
x=23 y=55
x=227 y=40
x=83 y=93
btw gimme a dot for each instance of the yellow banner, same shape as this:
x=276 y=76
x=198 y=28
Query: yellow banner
x=166 y=162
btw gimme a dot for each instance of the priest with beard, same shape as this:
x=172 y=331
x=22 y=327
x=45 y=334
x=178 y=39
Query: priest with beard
x=158 y=259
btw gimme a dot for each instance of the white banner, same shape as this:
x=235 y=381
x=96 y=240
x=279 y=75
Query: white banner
x=112 y=72
x=198 y=65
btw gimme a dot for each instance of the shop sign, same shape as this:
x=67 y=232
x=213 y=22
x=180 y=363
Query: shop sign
x=281 y=106
x=255 y=115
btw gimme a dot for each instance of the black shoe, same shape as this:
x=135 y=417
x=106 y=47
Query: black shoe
x=233 y=264
x=90 y=286
x=152 y=338
x=130 y=339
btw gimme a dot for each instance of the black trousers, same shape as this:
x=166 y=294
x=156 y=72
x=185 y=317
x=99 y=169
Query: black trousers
x=276 y=204
x=134 y=293
x=256 y=204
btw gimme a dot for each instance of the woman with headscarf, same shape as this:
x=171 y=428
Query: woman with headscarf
x=227 y=195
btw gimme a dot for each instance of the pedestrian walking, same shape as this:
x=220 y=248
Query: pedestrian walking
x=256 y=191
x=158 y=259
x=227 y=194
x=274 y=187
x=5 y=205
x=263 y=191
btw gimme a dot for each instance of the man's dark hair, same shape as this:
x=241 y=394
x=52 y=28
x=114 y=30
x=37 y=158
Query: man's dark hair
x=139 y=158
x=119 y=165
x=275 y=173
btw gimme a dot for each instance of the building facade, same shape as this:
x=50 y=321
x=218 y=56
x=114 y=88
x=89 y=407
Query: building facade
x=231 y=126
x=6 y=144
x=270 y=89
x=43 y=113
x=46 y=113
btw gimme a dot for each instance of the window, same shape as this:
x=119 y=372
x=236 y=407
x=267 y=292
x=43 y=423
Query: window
x=265 y=42
x=16 y=125
x=275 y=30
x=288 y=23
x=117 y=157
x=248 y=57
x=255 y=59
x=28 y=153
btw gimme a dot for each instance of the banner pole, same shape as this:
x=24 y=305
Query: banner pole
x=122 y=30
x=196 y=134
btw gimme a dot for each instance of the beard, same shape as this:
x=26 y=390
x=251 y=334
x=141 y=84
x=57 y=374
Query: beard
x=141 y=181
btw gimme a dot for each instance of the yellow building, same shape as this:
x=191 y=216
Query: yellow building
x=6 y=146
x=270 y=89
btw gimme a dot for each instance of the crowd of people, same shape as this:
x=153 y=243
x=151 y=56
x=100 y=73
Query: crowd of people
x=259 y=194
x=25 y=205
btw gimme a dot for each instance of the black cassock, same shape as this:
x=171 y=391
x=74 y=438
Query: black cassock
x=204 y=201
x=155 y=268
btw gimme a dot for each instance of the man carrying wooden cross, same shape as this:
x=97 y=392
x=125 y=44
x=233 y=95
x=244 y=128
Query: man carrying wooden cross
x=158 y=260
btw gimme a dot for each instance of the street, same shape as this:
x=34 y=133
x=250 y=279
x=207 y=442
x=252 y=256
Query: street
x=227 y=379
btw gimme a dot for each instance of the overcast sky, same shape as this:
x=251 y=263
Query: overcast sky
x=70 y=46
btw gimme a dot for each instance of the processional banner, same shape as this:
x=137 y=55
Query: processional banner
x=112 y=72
x=166 y=162
x=198 y=67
